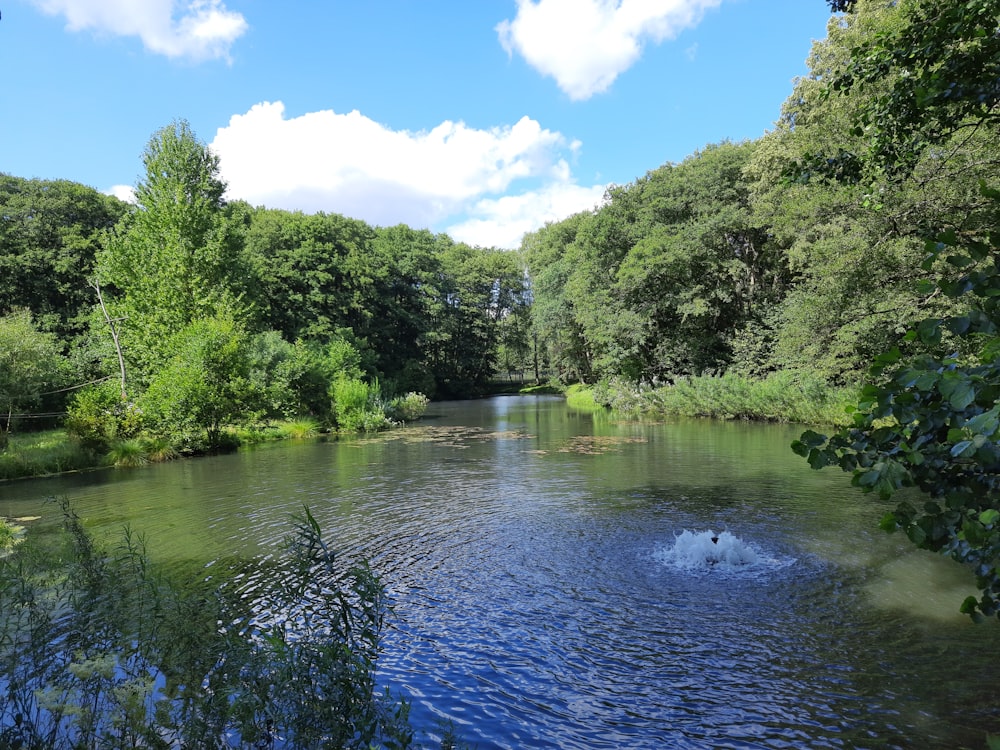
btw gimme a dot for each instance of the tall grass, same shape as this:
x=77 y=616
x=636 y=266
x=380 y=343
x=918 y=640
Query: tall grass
x=781 y=397
x=581 y=397
x=40 y=453
x=102 y=648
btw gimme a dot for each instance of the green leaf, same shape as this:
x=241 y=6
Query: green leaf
x=989 y=517
x=986 y=423
x=818 y=459
x=969 y=605
x=929 y=331
x=956 y=387
x=916 y=534
x=962 y=447
x=888 y=523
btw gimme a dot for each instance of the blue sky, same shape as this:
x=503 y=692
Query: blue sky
x=480 y=118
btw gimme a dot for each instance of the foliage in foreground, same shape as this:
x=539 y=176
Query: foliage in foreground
x=100 y=648
x=931 y=417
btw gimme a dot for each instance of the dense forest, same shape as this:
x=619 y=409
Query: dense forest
x=799 y=251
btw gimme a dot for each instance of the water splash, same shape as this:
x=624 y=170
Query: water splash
x=706 y=550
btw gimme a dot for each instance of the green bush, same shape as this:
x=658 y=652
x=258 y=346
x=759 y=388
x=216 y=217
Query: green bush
x=358 y=406
x=408 y=408
x=98 y=417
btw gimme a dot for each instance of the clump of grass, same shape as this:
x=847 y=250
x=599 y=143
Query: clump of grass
x=298 y=429
x=159 y=449
x=128 y=453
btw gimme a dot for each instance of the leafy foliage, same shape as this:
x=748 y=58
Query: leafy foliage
x=49 y=235
x=30 y=362
x=930 y=419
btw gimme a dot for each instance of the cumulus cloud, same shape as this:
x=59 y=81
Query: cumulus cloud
x=586 y=44
x=350 y=164
x=122 y=192
x=196 y=29
x=502 y=222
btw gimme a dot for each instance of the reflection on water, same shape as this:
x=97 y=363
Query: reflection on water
x=529 y=552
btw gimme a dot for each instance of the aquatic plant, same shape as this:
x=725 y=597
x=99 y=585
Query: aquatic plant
x=299 y=429
x=159 y=449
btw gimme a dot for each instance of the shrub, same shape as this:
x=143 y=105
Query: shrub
x=408 y=408
x=358 y=406
x=97 y=417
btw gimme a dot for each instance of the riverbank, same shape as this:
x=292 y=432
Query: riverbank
x=783 y=397
x=50 y=452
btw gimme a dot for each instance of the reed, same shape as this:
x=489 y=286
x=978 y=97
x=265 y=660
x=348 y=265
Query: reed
x=781 y=397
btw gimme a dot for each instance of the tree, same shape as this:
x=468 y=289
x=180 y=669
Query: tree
x=178 y=258
x=930 y=418
x=31 y=361
x=206 y=382
x=49 y=235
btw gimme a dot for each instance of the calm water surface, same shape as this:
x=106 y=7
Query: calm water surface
x=528 y=549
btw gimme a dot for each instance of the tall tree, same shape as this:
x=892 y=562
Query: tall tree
x=178 y=258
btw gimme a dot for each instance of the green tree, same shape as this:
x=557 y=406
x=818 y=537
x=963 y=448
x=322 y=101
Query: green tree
x=206 y=382
x=550 y=255
x=931 y=416
x=178 y=258
x=31 y=362
x=49 y=235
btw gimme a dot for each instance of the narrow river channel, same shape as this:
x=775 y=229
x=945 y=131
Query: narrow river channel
x=546 y=594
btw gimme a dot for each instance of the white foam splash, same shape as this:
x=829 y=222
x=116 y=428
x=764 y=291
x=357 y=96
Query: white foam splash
x=706 y=550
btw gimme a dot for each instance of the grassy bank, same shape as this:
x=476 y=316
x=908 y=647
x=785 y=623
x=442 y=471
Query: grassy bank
x=782 y=397
x=38 y=454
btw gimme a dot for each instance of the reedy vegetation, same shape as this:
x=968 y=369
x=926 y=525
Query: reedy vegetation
x=102 y=648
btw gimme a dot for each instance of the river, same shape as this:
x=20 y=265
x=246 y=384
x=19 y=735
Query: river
x=546 y=594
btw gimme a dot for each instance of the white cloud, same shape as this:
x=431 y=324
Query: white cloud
x=352 y=165
x=502 y=222
x=586 y=44
x=204 y=29
x=122 y=192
